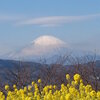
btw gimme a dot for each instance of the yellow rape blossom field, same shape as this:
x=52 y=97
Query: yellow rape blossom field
x=73 y=90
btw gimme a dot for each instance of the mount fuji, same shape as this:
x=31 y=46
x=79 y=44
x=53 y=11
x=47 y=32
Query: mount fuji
x=43 y=47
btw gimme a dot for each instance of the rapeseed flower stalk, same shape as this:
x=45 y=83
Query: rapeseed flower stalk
x=50 y=92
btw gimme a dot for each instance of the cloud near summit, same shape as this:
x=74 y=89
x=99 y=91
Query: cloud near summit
x=56 y=20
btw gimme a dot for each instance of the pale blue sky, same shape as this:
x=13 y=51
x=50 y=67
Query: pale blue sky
x=76 y=22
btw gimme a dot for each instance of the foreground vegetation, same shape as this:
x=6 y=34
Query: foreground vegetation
x=73 y=90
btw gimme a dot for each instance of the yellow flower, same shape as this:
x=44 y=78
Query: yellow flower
x=29 y=88
x=98 y=94
x=93 y=93
x=68 y=96
x=39 y=80
x=67 y=76
x=33 y=83
x=81 y=81
x=25 y=89
x=6 y=87
x=77 y=77
x=14 y=86
x=54 y=86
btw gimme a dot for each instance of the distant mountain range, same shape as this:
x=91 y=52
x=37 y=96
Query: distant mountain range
x=8 y=64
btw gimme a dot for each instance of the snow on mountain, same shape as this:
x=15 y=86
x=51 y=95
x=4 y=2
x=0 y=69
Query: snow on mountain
x=43 y=46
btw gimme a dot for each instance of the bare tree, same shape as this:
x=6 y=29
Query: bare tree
x=19 y=75
x=86 y=67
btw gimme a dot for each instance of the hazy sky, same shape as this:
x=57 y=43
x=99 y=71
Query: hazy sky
x=76 y=22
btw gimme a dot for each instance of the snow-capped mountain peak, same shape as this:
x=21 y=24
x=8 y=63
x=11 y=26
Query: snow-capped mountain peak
x=42 y=46
x=48 y=40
